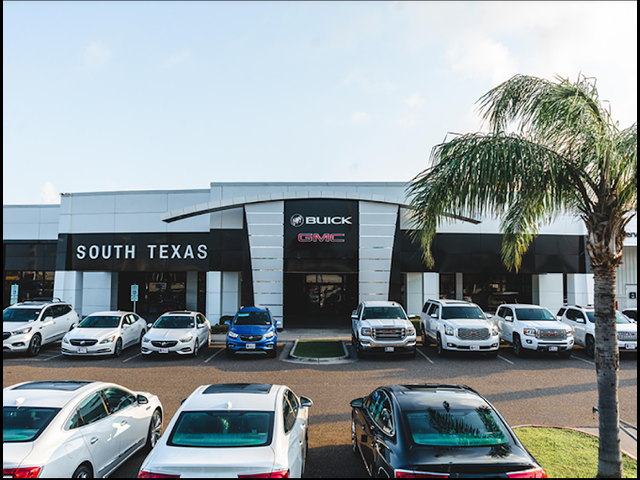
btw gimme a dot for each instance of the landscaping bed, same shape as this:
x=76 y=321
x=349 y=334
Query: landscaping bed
x=318 y=349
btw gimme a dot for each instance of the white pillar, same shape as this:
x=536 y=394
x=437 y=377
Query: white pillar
x=413 y=293
x=67 y=286
x=96 y=295
x=192 y=291
x=580 y=288
x=214 y=297
x=431 y=285
x=230 y=292
x=459 y=286
x=550 y=291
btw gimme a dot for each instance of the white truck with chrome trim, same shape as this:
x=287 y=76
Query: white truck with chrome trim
x=382 y=327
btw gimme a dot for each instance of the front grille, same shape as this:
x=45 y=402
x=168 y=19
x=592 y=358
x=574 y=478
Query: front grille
x=250 y=338
x=628 y=336
x=165 y=343
x=388 y=333
x=474 y=333
x=83 y=343
x=556 y=334
x=5 y=335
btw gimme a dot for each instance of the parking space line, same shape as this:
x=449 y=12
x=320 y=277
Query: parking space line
x=131 y=358
x=583 y=360
x=508 y=361
x=425 y=356
x=207 y=360
x=55 y=356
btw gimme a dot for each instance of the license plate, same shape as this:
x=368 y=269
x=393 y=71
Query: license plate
x=251 y=346
x=164 y=350
x=553 y=349
x=389 y=349
x=475 y=347
x=82 y=350
x=630 y=346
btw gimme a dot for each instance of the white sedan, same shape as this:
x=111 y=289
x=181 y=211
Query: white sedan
x=104 y=333
x=178 y=332
x=74 y=429
x=234 y=430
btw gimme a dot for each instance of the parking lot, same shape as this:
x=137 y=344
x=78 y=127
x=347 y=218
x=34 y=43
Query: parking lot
x=535 y=389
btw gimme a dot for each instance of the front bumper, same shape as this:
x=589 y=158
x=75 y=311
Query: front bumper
x=185 y=348
x=16 y=343
x=453 y=343
x=93 y=350
x=532 y=343
x=239 y=346
x=369 y=345
x=627 y=346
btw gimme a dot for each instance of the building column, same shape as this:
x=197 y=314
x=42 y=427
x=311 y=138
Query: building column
x=214 y=297
x=580 y=288
x=96 y=295
x=548 y=291
x=230 y=292
x=67 y=286
x=459 y=286
x=413 y=293
x=431 y=285
x=192 y=291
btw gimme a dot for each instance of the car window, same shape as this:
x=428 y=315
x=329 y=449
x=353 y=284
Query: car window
x=620 y=319
x=288 y=413
x=571 y=314
x=359 y=310
x=384 y=415
x=434 y=308
x=20 y=314
x=293 y=400
x=373 y=404
x=48 y=313
x=117 y=399
x=25 y=424
x=457 y=312
x=92 y=409
x=373 y=313
x=100 y=321
x=199 y=319
x=174 y=321
x=425 y=308
x=539 y=314
x=561 y=312
x=252 y=318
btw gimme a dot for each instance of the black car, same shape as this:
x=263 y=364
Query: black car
x=436 y=431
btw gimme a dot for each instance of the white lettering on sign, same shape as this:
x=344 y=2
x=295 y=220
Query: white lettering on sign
x=188 y=252
x=81 y=252
x=328 y=220
x=94 y=252
x=130 y=251
x=202 y=251
x=105 y=251
x=162 y=251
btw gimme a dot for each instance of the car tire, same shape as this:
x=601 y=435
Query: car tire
x=155 y=430
x=440 y=350
x=35 y=345
x=425 y=340
x=83 y=471
x=196 y=348
x=117 y=351
x=142 y=334
x=591 y=346
x=354 y=438
x=518 y=349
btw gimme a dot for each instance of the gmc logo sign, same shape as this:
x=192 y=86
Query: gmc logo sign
x=316 y=237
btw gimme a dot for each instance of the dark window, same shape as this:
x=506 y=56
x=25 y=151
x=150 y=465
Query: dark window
x=288 y=413
x=434 y=308
x=25 y=424
x=448 y=286
x=118 y=399
x=92 y=409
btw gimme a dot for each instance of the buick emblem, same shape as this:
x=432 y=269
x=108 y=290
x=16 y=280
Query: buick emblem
x=297 y=220
x=82 y=342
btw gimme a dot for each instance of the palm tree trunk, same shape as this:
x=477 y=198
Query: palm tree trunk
x=607 y=360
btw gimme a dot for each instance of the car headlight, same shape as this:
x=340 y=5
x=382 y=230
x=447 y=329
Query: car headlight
x=232 y=334
x=269 y=335
x=186 y=339
x=570 y=332
x=365 y=331
x=146 y=339
x=494 y=331
x=22 y=331
x=449 y=330
x=531 y=332
x=411 y=332
x=108 y=340
x=65 y=339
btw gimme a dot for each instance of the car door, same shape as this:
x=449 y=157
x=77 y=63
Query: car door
x=293 y=432
x=64 y=319
x=580 y=325
x=202 y=330
x=128 y=419
x=382 y=439
x=373 y=406
x=355 y=322
x=509 y=323
x=139 y=325
x=127 y=331
x=48 y=327
x=433 y=316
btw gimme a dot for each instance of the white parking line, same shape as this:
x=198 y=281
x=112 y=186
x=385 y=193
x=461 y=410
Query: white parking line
x=55 y=356
x=583 y=360
x=219 y=351
x=508 y=361
x=131 y=358
x=423 y=354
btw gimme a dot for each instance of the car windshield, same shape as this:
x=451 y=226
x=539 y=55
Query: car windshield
x=174 y=321
x=461 y=313
x=382 y=313
x=24 y=424
x=99 y=321
x=20 y=314
x=620 y=318
x=252 y=318
x=464 y=427
x=543 y=314
x=222 y=429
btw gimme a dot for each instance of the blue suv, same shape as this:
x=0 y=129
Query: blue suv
x=252 y=330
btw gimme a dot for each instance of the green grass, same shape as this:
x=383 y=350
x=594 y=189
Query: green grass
x=319 y=349
x=567 y=453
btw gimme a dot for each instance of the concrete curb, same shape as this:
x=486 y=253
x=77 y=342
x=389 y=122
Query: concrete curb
x=575 y=429
x=318 y=361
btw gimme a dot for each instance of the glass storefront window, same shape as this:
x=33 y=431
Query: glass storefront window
x=448 y=286
x=31 y=284
x=490 y=291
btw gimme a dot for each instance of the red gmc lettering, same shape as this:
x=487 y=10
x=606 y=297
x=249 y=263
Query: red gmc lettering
x=316 y=237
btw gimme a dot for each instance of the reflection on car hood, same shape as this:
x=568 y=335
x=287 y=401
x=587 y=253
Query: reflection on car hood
x=13 y=326
x=542 y=325
x=251 y=329
x=469 y=323
x=14 y=453
x=168 y=333
x=627 y=327
x=387 y=322
x=91 y=333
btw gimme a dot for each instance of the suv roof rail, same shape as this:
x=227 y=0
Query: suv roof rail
x=43 y=300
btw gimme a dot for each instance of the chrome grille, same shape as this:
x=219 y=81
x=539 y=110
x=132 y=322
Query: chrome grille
x=5 y=335
x=164 y=343
x=555 y=334
x=473 y=333
x=628 y=336
x=83 y=343
x=388 y=333
x=250 y=338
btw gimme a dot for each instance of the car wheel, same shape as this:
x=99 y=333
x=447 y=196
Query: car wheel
x=440 y=350
x=425 y=340
x=517 y=346
x=83 y=471
x=142 y=336
x=196 y=348
x=354 y=439
x=155 y=430
x=591 y=346
x=118 y=350
x=34 y=345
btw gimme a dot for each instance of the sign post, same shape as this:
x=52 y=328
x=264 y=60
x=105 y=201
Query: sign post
x=134 y=296
x=14 y=293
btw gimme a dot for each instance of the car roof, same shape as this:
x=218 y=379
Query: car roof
x=54 y=393
x=240 y=396
x=525 y=305
x=253 y=309
x=421 y=396
x=445 y=301
x=380 y=303
x=179 y=312
x=113 y=313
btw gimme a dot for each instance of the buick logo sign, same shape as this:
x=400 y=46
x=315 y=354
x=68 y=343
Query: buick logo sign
x=297 y=220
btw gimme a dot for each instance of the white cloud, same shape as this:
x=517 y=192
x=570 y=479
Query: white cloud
x=360 y=117
x=96 y=55
x=415 y=100
x=48 y=193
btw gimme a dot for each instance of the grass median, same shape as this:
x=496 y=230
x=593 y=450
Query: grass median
x=566 y=453
x=319 y=349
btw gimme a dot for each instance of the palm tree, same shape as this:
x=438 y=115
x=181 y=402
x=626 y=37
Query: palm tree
x=552 y=149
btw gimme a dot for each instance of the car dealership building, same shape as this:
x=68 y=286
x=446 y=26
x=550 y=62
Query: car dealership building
x=308 y=251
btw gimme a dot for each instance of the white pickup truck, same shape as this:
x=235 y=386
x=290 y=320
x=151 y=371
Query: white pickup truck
x=455 y=325
x=378 y=327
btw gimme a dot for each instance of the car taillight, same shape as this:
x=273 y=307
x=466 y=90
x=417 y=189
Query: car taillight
x=533 y=473
x=144 y=474
x=282 y=474
x=412 y=474
x=25 y=472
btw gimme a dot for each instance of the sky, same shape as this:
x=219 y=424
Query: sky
x=101 y=96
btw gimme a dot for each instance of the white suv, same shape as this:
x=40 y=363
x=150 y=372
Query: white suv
x=532 y=327
x=582 y=321
x=380 y=326
x=455 y=325
x=28 y=325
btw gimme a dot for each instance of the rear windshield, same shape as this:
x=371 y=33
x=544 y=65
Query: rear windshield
x=222 y=429
x=25 y=424
x=174 y=322
x=620 y=318
x=535 y=314
x=470 y=311
x=373 y=313
x=252 y=318
x=470 y=427
x=99 y=322
x=20 y=314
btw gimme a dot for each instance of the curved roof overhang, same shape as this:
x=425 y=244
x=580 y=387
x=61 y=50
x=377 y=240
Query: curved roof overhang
x=238 y=202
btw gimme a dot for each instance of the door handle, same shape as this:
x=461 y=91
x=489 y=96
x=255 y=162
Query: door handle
x=94 y=440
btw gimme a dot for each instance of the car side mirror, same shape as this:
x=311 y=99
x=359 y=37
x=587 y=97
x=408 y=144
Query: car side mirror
x=306 y=402
x=488 y=315
x=580 y=320
x=354 y=316
x=201 y=325
x=509 y=318
x=149 y=325
x=142 y=400
x=434 y=315
x=73 y=325
x=48 y=319
x=227 y=322
x=357 y=403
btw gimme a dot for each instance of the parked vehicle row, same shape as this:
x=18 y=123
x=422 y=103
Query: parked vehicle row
x=84 y=429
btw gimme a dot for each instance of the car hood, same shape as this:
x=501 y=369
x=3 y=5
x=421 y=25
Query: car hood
x=13 y=326
x=483 y=457
x=387 y=322
x=627 y=327
x=542 y=325
x=13 y=454
x=168 y=333
x=91 y=333
x=469 y=323
x=193 y=462
x=250 y=329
